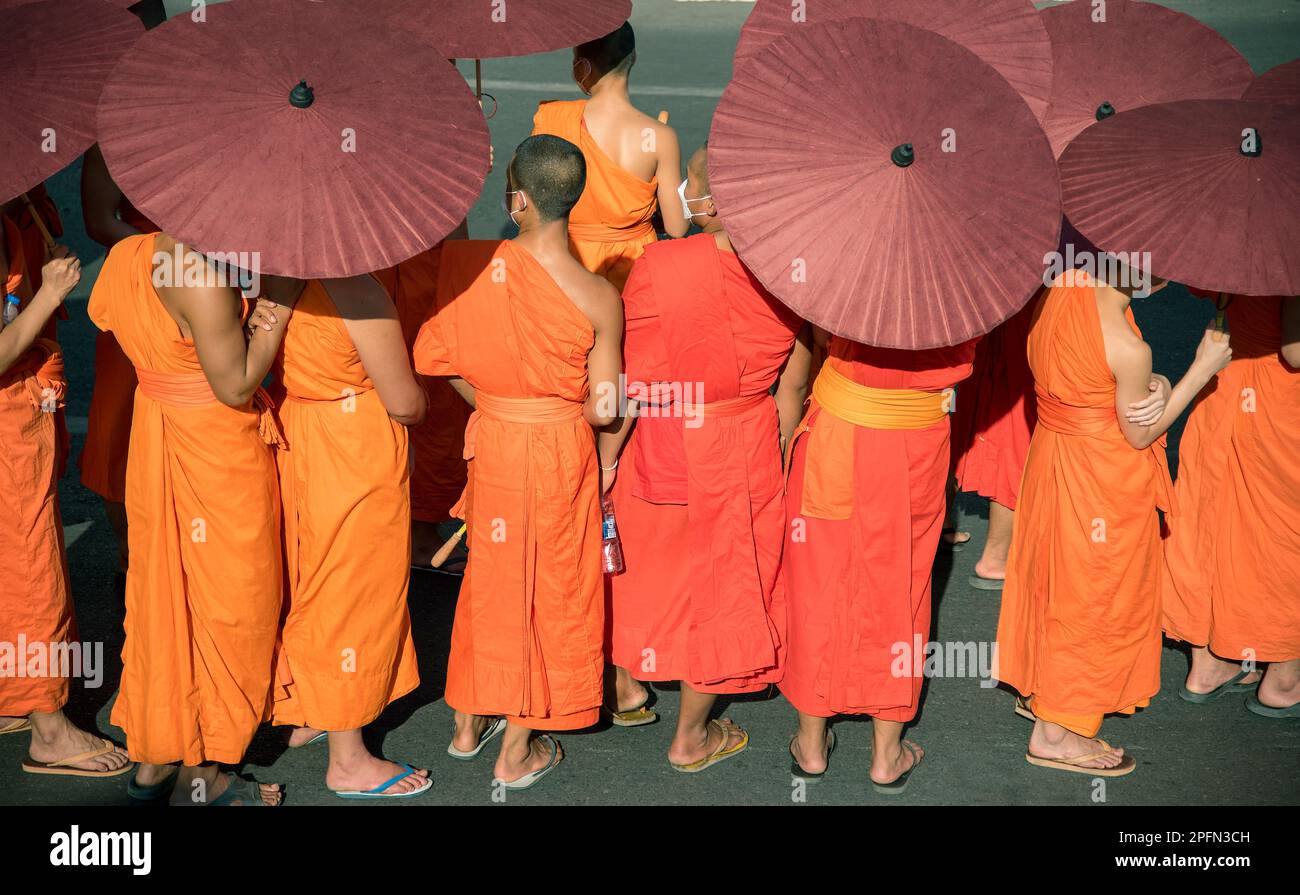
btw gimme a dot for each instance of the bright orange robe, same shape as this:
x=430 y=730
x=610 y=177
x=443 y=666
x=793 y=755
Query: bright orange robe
x=1232 y=560
x=203 y=593
x=612 y=223
x=35 y=599
x=345 y=486
x=34 y=242
x=995 y=414
x=699 y=500
x=528 y=637
x=108 y=429
x=1080 y=623
x=865 y=506
x=438 y=470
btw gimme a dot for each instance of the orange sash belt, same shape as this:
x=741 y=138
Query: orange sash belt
x=723 y=409
x=528 y=411
x=878 y=408
x=193 y=390
x=601 y=233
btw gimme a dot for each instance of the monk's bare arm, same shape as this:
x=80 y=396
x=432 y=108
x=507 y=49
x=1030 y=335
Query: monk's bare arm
x=605 y=362
x=669 y=173
x=59 y=277
x=609 y=447
x=1291 y=330
x=372 y=323
x=792 y=387
x=100 y=199
x=465 y=390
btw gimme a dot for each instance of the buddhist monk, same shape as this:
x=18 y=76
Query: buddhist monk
x=1232 y=560
x=865 y=506
x=1079 y=630
x=349 y=395
x=699 y=499
x=36 y=612
x=533 y=340
x=203 y=591
x=633 y=160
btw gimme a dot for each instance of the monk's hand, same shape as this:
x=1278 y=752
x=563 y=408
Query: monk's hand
x=60 y=275
x=1148 y=411
x=1214 y=353
x=263 y=316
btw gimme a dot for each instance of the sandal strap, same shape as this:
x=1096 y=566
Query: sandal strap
x=84 y=756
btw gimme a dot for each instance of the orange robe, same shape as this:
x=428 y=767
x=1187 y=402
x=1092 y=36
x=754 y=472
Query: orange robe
x=203 y=593
x=527 y=642
x=108 y=429
x=35 y=599
x=612 y=223
x=995 y=414
x=865 y=503
x=438 y=470
x=32 y=240
x=345 y=487
x=1232 y=560
x=1080 y=624
x=699 y=500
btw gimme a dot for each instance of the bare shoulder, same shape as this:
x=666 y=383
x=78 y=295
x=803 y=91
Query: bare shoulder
x=595 y=297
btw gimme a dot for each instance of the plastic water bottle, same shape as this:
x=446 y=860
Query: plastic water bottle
x=11 y=308
x=611 y=549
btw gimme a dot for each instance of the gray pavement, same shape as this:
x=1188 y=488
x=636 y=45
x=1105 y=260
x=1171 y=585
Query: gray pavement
x=1189 y=755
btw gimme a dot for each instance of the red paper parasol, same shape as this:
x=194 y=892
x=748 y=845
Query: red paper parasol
x=1178 y=180
x=1007 y=34
x=855 y=213
x=1136 y=55
x=1280 y=85
x=56 y=57
x=378 y=155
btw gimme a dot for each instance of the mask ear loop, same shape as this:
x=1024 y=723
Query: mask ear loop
x=496 y=107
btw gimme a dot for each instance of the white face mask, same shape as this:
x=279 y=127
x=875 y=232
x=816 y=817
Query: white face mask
x=509 y=211
x=686 y=203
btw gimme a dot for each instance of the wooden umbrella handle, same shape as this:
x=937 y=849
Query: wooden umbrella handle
x=40 y=223
x=445 y=551
x=663 y=116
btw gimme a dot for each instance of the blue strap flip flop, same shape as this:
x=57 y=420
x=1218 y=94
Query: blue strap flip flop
x=381 y=791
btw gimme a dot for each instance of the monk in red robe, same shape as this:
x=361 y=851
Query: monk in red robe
x=865 y=507
x=700 y=497
x=1232 y=559
x=36 y=612
x=1079 y=631
x=533 y=340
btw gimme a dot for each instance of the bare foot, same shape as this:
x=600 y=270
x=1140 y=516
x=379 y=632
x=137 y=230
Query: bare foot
x=301 y=736
x=689 y=747
x=892 y=762
x=1209 y=672
x=1056 y=742
x=630 y=693
x=369 y=772
x=991 y=570
x=185 y=794
x=7 y=721
x=153 y=774
x=55 y=738
x=812 y=754
x=950 y=536
x=1280 y=688
x=469 y=731
x=510 y=768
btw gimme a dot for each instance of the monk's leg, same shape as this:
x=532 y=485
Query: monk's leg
x=153 y=774
x=469 y=730
x=204 y=784
x=353 y=768
x=55 y=738
x=1280 y=688
x=997 y=545
x=116 y=513
x=951 y=535
x=889 y=760
x=1208 y=671
x=521 y=754
x=1051 y=740
x=696 y=739
x=624 y=693
x=810 y=747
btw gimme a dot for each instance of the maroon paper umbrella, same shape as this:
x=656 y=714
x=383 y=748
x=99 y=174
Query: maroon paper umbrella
x=1279 y=85
x=306 y=132
x=914 y=211
x=1125 y=54
x=56 y=56
x=1211 y=188
x=1007 y=34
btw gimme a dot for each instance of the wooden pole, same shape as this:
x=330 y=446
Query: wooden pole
x=40 y=223
x=445 y=551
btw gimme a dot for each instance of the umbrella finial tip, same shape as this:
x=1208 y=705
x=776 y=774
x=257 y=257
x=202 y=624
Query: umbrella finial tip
x=302 y=96
x=1104 y=111
x=903 y=155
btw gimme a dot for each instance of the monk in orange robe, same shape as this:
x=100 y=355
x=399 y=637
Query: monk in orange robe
x=438 y=469
x=700 y=502
x=36 y=613
x=1079 y=631
x=348 y=396
x=203 y=592
x=1232 y=560
x=533 y=341
x=109 y=218
x=633 y=161
x=865 y=507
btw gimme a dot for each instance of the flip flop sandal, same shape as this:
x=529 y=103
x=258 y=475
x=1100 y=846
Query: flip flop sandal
x=321 y=737
x=494 y=730
x=639 y=716
x=897 y=786
x=1023 y=709
x=979 y=582
x=63 y=767
x=1074 y=765
x=808 y=776
x=1267 y=711
x=150 y=795
x=1231 y=686
x=18 y=727
x=722 y=753
x=952 y=546
x=532 y=778
x=381 y=791
x=241 y=793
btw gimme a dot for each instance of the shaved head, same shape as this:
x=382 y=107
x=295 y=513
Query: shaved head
x=698 y=169
x=613 y=52
x=553 y=174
